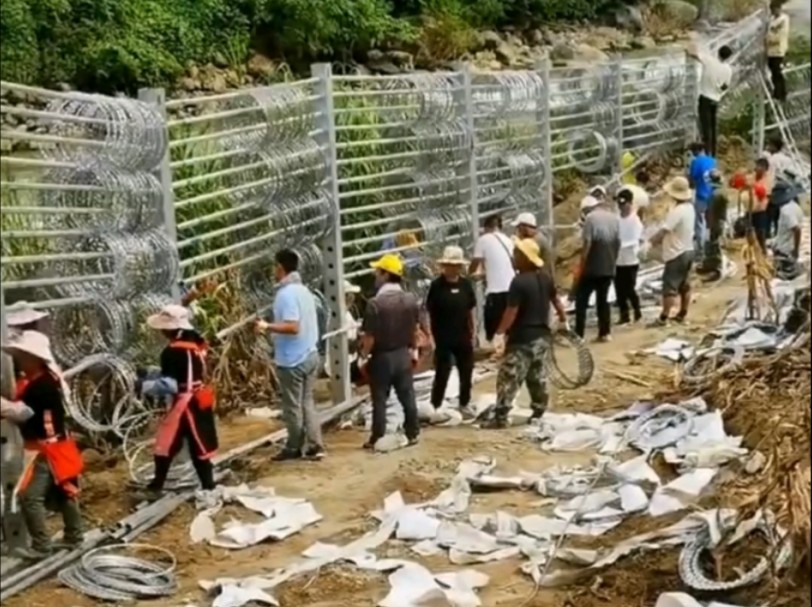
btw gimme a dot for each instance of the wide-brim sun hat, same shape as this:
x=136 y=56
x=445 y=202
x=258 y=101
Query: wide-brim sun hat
x=530 y=249
x=23 y=313
x=452 y=256
x=390 y=263
x=31 y=342
x=679 y=189
x=171 y=318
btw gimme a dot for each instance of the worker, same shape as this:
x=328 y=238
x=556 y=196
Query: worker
x=627 y=162
x=22 y=316
x=759 y=191
x=628 y=259
x=711 y=266
x=389 y=348
x=781 y=175
x=526 y=226
x=598 y=192
x=524 y=332
x=676 y=237
x=642 y=196
x=451 y=305
x=787 y=245
x=181 y=383
x=638 y=195
x=699 y=171
x=599 y=251
x=715 y=80
x=350 y=326
x=493 y=250
x=295 y=334
x=777 y=45
x=53 y=463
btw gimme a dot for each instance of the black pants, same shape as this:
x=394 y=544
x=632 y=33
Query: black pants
x=203 y=467
x=760 y=221
x=388 y=370
x=586 y=287
x=776 y=67
x=444 y=356
x=626 y=292
x=495 y=304
x=708 y=110
x=773 y=214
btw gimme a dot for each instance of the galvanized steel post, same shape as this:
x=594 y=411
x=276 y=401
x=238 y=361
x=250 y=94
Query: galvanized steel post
x=332 y=248
x=617 y=70
x=157 y=97
x=547 y=148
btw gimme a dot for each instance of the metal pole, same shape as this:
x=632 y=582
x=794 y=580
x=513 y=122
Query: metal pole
x=15 y=533
x=544 y=69
x=157 y=97
x=332 y=247
x=473 y=187
x=759 y=115
x=618 y=74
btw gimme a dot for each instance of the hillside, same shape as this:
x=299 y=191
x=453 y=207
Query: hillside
x=121 y=45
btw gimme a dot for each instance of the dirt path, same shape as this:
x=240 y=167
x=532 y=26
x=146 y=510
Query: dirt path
x=351 y=482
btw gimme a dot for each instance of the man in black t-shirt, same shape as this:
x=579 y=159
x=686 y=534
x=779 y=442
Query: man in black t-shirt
x=524 y=333
x=451 y=304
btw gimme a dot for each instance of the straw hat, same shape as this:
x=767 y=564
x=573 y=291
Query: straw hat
x=679 y=189
x=350 y=288
x=171 y=318
x=452 y=256
x=33 y=343
x=23 y=313
x=530 y=249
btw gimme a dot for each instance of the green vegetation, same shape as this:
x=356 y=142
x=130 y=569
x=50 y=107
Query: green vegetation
x=120 y=45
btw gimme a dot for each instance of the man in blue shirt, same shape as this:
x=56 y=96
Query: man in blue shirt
x=295 y=334
x=699 y=177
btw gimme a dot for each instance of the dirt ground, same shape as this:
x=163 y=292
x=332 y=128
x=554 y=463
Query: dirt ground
x=351 y=482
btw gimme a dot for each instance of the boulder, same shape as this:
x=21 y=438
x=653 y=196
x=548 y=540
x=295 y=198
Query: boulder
x=629 y=18
x=679 y=13
x=190 y=84
x=488 y=40
x=260 y=66
x=219 y=60
x=400 y=58
x=562 y=51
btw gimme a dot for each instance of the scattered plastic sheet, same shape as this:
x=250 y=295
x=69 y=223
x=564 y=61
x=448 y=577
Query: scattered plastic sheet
x=283 y=517
x=680 y=599
x=413 y=585
x=682 y=492
x=675 y=350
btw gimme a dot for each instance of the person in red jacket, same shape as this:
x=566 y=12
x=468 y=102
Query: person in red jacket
x=53 y=463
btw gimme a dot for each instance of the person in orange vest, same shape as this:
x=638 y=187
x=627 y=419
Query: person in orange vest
x=53 y=463
x=190 y=412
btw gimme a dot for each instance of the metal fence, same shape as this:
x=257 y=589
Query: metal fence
x=111 y=204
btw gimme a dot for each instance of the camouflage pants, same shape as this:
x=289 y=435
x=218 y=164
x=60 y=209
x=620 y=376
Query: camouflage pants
x=712 y=261
x=522 y=364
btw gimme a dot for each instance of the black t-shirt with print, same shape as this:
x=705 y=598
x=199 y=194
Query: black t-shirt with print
x=449 y=305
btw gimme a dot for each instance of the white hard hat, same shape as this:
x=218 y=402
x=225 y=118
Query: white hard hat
x=589 y=202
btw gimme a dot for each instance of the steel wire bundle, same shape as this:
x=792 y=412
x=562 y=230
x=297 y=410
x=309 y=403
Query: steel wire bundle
x=425 y=97
x=124 y=132
x=586 y=363
x=105 y=575
x=116 y=200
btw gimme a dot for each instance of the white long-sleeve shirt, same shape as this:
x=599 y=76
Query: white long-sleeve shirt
x=778 y=35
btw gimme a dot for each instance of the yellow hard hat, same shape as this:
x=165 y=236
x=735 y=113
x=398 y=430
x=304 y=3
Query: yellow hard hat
x=390 y=263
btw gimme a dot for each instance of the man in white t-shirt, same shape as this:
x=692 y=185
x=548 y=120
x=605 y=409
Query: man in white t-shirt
x=715 y=80
x=628 y=258
x=494 y=251
x=777 y=45
x=787 y=245
x=677 y=239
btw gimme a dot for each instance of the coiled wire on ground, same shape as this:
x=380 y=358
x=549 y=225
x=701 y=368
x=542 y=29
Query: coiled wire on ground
x=586 y=364
x=105 y=575
x=693 y=574
x=720 y=359
x=644 y=429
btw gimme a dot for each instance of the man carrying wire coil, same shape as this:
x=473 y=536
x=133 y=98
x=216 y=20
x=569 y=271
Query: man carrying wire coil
x=180 y=381
x=522 y=337
x=52 y=461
